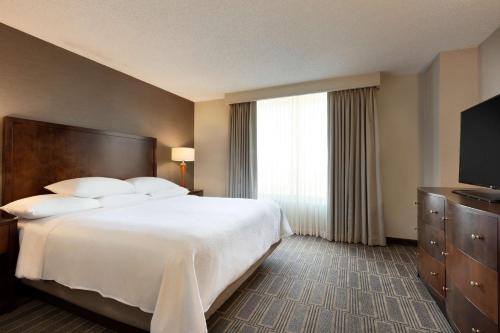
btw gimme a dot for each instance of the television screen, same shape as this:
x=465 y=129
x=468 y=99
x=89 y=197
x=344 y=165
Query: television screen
x=480 y=144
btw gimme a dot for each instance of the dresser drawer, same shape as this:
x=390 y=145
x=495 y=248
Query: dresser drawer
x=464 y=315
x=4 y=238
x=432 y=240
x=473 y=232
x=431 y=271
x=431 y=209
x=475 y=281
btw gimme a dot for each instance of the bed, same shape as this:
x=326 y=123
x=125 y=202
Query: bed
x=163 y=265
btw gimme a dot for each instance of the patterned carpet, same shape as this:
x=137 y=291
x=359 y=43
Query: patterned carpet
x=37 y=317
x=312 y=285
x=307 y=285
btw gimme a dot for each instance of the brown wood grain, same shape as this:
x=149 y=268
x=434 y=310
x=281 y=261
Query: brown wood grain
x=447 y=193
x=431 y=209
x=462 y=223
x=431 y=271
x=4 y=238
x=467 y=259
x=464 y=315
x=432 y=240
x=36 y=154
x=196 y=192
x=461 y=269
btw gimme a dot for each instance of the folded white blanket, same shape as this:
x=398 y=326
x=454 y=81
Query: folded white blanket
x=170 y=257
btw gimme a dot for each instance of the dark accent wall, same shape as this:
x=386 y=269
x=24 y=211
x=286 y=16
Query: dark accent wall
x=41 y=81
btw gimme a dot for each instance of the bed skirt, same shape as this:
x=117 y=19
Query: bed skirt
x=130 y=315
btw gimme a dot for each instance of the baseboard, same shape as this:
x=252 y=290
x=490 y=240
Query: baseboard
x=401 y=241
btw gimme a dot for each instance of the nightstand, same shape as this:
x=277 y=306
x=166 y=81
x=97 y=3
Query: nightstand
x=196 y=192
x=8 y=258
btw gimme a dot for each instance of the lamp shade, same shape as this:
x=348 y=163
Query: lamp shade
x=183 y=154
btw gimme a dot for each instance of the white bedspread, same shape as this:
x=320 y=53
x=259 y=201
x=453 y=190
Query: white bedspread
x=170 y=257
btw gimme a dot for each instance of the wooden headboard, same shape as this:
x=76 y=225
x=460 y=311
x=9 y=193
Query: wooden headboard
x=36 y=154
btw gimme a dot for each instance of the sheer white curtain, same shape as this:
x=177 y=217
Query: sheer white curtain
x=292 y=156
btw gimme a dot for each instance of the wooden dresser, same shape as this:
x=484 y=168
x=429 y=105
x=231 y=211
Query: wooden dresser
x=196 y=192
x=458 y=257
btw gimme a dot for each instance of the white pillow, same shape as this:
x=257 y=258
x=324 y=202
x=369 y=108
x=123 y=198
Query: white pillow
x=45 y=205
x=148 y=185
x=122 y=199
x=169 y=192
x=91 y=187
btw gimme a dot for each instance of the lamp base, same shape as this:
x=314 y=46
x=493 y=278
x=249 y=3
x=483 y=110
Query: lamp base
x=183 y=174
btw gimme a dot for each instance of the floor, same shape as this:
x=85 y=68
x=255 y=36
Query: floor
x=307 y=285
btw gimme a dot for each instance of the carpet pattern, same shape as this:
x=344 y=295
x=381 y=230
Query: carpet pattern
x=38 y=317
x=306 y=285
x=312 y=285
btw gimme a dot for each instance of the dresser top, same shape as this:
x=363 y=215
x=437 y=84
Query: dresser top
x=446 y=192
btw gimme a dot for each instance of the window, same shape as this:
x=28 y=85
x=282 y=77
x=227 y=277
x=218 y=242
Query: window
x=292 y=158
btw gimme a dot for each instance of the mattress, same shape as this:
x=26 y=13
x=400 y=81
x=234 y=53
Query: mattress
x=170 y=257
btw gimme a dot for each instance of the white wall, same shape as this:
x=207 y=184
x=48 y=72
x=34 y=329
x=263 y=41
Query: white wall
x=449 y=86
x=419 y=129
x=458 y=91
x=429 y=124
x=302 y=88
x=211 y=141
x=398 y=110
x=455 y=81
x=489 y=64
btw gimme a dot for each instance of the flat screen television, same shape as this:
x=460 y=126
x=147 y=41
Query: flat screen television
x=480 y=149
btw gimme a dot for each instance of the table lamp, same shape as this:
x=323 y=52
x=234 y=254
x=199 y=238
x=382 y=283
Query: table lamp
x=183 y=155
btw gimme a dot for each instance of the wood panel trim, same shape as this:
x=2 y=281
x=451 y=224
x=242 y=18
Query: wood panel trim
x=427 y=264
x=464 y=315
x=428 y=233
x=462 y=223
x=462 y=269
x=429 y=202
x=477 y=207
x=37 y=153
x=447 y=193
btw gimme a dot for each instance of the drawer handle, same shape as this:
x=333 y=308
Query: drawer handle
x=433 y=211
x=475 y=236
x=474 y=284
x=475 y=330
x=444 y=253
x=433 y=242
x=433 y=273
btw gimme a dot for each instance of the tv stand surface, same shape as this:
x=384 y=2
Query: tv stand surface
x=479 y=194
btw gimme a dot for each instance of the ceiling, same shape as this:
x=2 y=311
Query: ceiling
x=201 y=49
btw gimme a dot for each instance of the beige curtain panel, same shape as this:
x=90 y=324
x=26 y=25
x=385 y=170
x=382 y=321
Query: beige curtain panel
x=243 y=150
x=354 y=193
